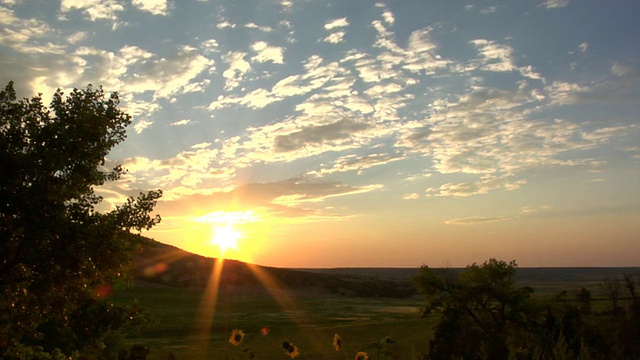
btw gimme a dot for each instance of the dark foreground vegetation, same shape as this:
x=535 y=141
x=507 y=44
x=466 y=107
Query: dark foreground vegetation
x=65 y=268
x=58 y=255
x=484 y=315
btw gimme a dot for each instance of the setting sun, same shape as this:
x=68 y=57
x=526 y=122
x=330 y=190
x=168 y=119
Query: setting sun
x=226 y=237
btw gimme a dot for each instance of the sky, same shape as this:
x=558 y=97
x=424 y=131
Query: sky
x=355 y=133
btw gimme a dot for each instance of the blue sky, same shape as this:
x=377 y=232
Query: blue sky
x=356 y=133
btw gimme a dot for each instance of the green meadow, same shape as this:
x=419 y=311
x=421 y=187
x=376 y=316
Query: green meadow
x=308 y=321
x=188 y=326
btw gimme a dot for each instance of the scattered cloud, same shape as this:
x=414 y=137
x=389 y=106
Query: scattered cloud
x=266 y=53
x=583 y=47
x=238 y=67
x=495 y=57
x=553 y=4
x=155 y=7
x=412 y=196
x=359 y=163
x=335 y=37
x=337 y=23
x=388 y=17
x=94 y=9
x=297 y=199
x=318 y=135
x=180 y=122
x=225 y=24
x=620 y=70
x=476 y=220
x=482 y=186
x=141 y=125
x=261 y=28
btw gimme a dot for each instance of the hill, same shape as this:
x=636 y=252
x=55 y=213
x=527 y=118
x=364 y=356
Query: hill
x=164 y=265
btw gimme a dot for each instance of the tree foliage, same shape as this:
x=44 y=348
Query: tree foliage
x=479 y=307
x=484 y=315
x=58 y=253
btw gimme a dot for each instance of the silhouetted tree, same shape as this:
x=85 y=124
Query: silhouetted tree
x=59 y=256
x=584 y=299
x=479 y=306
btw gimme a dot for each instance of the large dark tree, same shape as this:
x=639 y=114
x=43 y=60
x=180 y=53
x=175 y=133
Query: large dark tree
x=57 y=252
x=481 y=308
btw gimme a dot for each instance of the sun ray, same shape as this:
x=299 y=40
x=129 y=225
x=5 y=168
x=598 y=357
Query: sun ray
x=206 y=313
x=284 y=297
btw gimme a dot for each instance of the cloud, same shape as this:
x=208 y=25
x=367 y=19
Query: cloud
x=620 y=70
x=337 y=23
x=94 y=9
x=225 y=24
x=388 y=17
x=412 y=196
x=165 y=76
x=605 y=134
x=316 y=77
x=193 y=171
x=155 y=7
x=77 y=37
x=553 y=4
x=318 y=135
x=283 y=199
x=482 y=186
x=29 y=36
x=180 y=122
x=210 y=46
x=583 y=47
x=495 y=57
x=476 y=220
x=141 y=125
x=255 y=26
x=360 y=163
x=238 y=67
x=486 y=132
x=267 y=53
x=139 y=71
x=334 y=38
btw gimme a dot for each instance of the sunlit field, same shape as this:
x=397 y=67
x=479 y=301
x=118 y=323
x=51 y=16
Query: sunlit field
x=311 y=325
x=309 y=320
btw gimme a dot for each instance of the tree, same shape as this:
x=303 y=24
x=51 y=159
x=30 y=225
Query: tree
x=480 y=307
x=58 y=253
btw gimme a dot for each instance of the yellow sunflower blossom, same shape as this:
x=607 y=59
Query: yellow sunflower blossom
x=361 y=355
x=290 y=350
x=236 y=337
x=337 y=342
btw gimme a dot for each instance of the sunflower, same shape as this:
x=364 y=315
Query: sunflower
x=293 y=351
x=337 y=342
x=290 y=350
x=361 y=355
x=236 y=337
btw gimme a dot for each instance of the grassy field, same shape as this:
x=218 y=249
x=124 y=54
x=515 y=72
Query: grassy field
x=308 y=321
x=189 y=327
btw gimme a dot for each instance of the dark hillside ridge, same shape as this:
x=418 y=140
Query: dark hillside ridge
x=165 y=265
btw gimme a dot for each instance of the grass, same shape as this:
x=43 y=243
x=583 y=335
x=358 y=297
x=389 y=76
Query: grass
x=309 y=322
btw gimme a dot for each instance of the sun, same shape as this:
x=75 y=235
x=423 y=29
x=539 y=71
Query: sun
x=226 y=237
